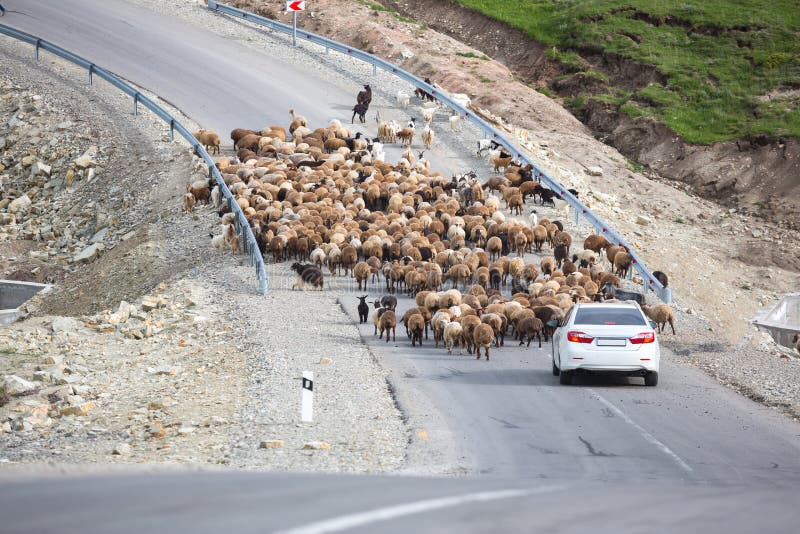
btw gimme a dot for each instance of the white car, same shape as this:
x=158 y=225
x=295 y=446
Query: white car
x=606 y=337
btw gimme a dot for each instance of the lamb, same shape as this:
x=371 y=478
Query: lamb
x=307 y=274
x=428 y=137
x=483 y=336
x=363 y=309
x=387 y=323
x=452 y=336
x=209 y=139
x=662 y=314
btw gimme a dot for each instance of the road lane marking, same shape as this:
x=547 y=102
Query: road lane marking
x=645 y=434
x=350 y=521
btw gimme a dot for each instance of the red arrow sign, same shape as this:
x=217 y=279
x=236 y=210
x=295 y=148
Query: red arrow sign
x=296 y=5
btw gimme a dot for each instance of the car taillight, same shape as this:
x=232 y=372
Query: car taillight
x=644 y=337
x=579 y=337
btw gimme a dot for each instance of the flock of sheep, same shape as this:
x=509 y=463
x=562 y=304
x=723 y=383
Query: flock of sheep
x=328 y=200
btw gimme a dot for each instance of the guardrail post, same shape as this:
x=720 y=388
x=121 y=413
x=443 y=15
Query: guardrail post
x=136 y=104
x=172 y=129
x=38 y=44
x=374 y=69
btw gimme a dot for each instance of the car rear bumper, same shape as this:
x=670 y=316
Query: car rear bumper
x=645 y=366
x=604 y=362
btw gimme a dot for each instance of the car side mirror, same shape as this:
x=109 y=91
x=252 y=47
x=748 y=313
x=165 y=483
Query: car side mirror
x=653 y=324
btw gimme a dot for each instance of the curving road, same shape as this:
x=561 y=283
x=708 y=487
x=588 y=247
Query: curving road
x=688 y=455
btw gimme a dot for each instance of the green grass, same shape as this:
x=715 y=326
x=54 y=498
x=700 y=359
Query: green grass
x=472 y=55
x=718 y=59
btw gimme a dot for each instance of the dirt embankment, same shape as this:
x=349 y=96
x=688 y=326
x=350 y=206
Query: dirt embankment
x=755 y=176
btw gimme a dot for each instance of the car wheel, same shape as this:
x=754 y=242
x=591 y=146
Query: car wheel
x=651 y=379
x=565 y=378
x=555 y=369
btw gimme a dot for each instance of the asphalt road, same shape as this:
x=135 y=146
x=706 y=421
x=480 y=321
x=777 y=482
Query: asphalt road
x=688 y=455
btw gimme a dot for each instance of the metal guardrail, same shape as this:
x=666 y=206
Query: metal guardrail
x=648 y=280
x=249 y=245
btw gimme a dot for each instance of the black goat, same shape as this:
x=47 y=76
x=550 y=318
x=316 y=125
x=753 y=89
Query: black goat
x=611 y=292
x=307 y=273
x=363 y=309
x=387 y=301
x=360 y=110
x=560 y=253
x=661 y=277
x=365 y=96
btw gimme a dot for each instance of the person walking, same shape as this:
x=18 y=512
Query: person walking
x=2 y=10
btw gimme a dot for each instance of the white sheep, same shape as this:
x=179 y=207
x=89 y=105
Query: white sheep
x=533 y=218
x=427 y=115
x=452 y=336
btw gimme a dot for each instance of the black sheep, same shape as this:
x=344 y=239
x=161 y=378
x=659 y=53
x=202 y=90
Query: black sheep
x=365 y=96
x=389 y=302
x=363 y=309
x=560 y=253
x=661 y=277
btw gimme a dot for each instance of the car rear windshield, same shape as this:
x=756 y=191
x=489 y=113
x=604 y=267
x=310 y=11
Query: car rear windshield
x=609 y=316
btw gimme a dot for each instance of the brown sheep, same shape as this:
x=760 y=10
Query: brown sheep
x=539 y=237
x=415 y=325
x=482 y=336
x=468 y=325
x=515 y=203
x=387 y=323
x=238 y=133
x=208 y=139
x=596 y=243
x=200 y=191
x=333 y=144
x=348 y=259
x=249 y=142
x=529 y=327
x=297 y=121
x=622 y=263
x=494 y=246
x=362 y=272
x=498 y=324
x=661 y=314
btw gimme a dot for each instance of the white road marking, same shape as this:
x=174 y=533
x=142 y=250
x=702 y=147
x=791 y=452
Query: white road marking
x=346 y=522
x=645 y=434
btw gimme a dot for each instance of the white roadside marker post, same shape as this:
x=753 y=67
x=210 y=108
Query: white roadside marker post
x=307 y=410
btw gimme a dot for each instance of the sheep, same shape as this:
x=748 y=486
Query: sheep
x=363 y=309
x=362 y=271
x=387 y=323
x=415 y=324
x=533 y=218
x=307 y=274
x=403 y=99
x=209 y=139
x=485 y=145
x=238 y=133
x=483 y=336
x=611 y=292
x=452 y=336
x=529 y=327
x=501 y=163
x=199 y=190
x=796 y=342
x=661 y=314
x=428 y=136
x=622 y=263
x=365 y=96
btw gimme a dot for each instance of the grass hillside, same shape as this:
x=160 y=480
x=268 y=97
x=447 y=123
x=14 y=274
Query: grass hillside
x=730 y=69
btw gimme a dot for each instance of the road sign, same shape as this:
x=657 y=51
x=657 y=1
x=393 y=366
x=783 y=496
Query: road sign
x=296 y=5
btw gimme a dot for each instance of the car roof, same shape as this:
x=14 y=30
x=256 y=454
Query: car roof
x=621 y=304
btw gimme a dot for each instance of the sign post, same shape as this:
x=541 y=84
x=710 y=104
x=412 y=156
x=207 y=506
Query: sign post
x=294 y=6
x=307 y=410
